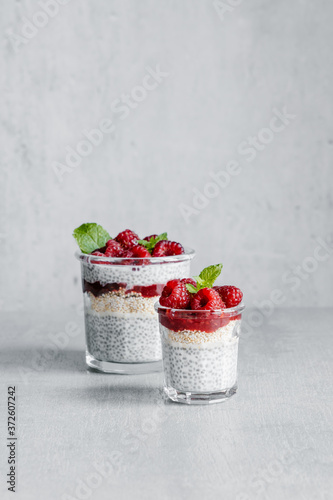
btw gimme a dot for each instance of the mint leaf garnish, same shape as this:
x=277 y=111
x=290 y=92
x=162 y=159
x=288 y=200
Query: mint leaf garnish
x=150 y=245
x=210 y=274
x=191 y=288
x=90 y=236
x=206 y=278
x=200 y=282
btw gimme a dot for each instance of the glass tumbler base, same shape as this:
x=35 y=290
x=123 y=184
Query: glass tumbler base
x=199 y=398
x=123 y=368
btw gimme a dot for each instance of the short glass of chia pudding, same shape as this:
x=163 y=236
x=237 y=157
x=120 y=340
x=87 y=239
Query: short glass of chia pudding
x=121 y=324
x=200 y=351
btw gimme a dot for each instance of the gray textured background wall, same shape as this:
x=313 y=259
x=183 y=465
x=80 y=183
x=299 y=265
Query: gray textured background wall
x=228 y=69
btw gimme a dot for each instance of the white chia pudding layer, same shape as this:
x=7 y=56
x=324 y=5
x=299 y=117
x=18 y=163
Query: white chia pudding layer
x=196 y=361
x=146 y=275
x=122 y=328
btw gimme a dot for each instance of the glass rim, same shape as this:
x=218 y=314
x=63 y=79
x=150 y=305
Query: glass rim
x=87 y=257
x=231 y=311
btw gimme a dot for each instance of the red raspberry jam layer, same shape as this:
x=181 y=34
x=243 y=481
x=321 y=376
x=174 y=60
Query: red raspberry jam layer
x=204 y=321
x=98 y=289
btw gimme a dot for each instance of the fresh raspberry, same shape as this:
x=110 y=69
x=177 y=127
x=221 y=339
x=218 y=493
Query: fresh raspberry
x=139 y=251
x=127 y=261
x=136 y=251
x=98 y=253
x=127 y=238
x=230 y=295
x=175 y=295
x=166 y=248
x=206 y=299
x=190 y=281
x=148 y=238
x=113 y=249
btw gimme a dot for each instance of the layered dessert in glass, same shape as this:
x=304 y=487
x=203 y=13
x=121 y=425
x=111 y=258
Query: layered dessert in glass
x=200 y=334
x=121 y=324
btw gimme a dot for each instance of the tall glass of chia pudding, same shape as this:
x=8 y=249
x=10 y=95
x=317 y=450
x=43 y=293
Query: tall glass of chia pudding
x=200 y=350
x=122 y=333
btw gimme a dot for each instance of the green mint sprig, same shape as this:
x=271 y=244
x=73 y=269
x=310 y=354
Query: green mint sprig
x=90 y=236
x=150 y=245
x=206 y=278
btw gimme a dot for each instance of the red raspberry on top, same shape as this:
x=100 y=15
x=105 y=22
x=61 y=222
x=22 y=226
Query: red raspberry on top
x=113 y=249
x=231 y=295
x=148 y=238
x=127 y=238
x=139 y=251
x=98 y=253
x=190 y=281
x=206 y=299
x=167 y=248
x=136 y=251
x=175 y=295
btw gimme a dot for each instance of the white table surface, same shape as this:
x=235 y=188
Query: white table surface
x=87 y=435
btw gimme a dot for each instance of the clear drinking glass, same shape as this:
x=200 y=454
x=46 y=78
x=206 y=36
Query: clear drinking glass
x=200 y=351
x=121 y=324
